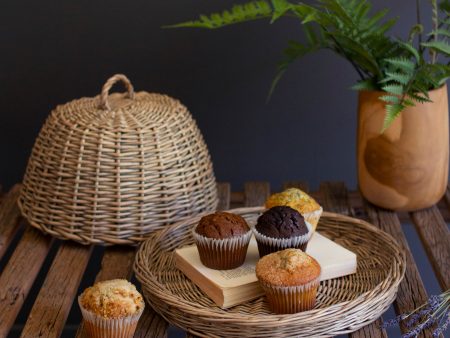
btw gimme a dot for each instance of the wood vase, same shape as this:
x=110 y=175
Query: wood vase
x=406 y=167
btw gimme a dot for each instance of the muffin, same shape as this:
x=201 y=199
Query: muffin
x=111 y=309
x=222 y=240
x=300 y=201
x=281 y=228
x=290 y=280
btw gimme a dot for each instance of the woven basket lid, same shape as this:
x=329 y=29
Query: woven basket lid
x=113 y=168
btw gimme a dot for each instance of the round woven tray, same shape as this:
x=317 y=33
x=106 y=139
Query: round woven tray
x=343 y=305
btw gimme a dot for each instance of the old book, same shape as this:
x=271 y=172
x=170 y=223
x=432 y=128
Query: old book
x=231 y=287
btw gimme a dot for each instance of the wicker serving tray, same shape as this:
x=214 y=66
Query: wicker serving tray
x=344 y=304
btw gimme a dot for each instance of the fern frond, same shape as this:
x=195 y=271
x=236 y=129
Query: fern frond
x=438 y=46
x=391 y=99
x=392 y=112
x=393 y=89
x=280 y=7
x=402 y=63
x=400 y=78
x=418 y=98
x=440 y=31
x=416 y=29
x=407 y=46
x=239 y=13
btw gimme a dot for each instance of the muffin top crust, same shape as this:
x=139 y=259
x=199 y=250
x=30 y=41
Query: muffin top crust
x=281 y=222
x=294 y=198
x=290 y=267
x=114 y=298
x=222 y=225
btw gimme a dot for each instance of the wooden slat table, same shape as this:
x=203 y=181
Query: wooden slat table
x=24 y=252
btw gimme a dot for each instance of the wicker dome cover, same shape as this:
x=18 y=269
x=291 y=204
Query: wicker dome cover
x=115 y=168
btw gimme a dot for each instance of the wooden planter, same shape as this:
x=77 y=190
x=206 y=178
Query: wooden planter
x=406 y=167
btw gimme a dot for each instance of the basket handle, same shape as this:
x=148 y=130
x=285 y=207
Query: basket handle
x=104 y=104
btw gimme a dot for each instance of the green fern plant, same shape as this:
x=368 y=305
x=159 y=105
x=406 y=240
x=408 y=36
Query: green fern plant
x=406 y=70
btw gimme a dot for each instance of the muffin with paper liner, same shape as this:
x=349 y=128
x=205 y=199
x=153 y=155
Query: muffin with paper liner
x=280 y=228
x=111 y=309
x=290 y=280
x=222 y=240
x=300 y=201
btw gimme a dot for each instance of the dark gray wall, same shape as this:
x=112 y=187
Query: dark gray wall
x=55 y=51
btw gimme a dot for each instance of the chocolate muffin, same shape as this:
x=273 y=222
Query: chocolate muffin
x=222 y=225
x=222 y=240
x=281 y=222
x=300 y=201
x=280 y=228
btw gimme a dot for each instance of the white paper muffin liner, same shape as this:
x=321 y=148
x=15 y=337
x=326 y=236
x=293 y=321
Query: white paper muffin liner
x=222 y=254
x=97 y=326
x=291 y=299
x=267 y=245
x=313 y=217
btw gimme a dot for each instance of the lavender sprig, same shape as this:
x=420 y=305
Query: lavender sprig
x=443 y=327
x=435 y=311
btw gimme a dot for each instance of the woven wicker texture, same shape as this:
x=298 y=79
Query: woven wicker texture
x=343 y=305
x=114 y=168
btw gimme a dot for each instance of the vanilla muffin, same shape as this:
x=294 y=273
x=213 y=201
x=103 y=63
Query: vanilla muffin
x=290 y=279
x=111 y=308
x=300 y=201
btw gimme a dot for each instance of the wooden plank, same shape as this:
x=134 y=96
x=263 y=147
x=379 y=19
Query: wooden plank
x=256 y=193
x=435 y=236
x=335 y=198
x=19 y=274
x=9 y=218
x=151 y=325
x=296 y=184
x=59 y=291
x=411 y=292
x=117 y=262
x=371 y=330
x=223 y=192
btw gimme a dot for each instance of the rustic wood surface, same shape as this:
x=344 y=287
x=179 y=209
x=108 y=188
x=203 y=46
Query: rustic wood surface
x=60 y=288
x=335 y=198
x=433 y=231
x=19 y=274
x=53 y=303
x=412 y=283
